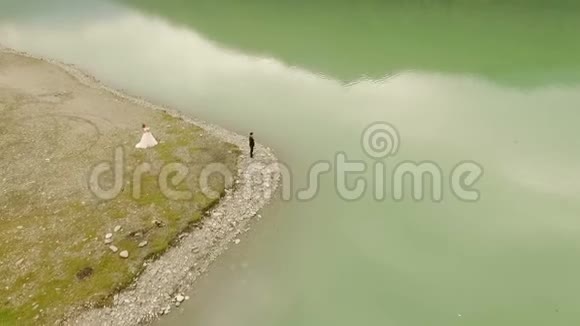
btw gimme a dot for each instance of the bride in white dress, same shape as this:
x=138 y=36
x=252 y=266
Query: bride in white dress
x=147 y=140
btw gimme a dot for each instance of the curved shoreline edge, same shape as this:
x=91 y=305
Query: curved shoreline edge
x=153 y=292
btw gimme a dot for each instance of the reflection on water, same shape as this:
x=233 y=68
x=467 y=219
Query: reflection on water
x=511 y=42
x=509 y=259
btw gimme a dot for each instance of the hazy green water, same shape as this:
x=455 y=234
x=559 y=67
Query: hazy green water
x=492 y=84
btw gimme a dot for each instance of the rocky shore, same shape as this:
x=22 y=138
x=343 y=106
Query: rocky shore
x=164 y=282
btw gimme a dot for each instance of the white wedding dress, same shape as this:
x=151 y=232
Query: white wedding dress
x=147 y=140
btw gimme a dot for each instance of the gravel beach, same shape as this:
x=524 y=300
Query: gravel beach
x=164 y=281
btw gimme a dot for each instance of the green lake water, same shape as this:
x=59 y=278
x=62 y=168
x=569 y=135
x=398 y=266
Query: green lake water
x=497 y=83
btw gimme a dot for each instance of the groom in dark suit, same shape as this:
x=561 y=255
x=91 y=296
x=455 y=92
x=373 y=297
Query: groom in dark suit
x=252 y=144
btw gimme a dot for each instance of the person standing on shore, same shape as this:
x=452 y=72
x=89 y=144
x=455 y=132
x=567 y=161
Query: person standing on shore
x=252 y=144
x=147 y=139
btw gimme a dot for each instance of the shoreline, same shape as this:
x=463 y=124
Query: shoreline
x=155 y=290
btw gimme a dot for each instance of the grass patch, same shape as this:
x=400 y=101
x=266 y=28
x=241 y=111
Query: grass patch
x=7 y=319
x=52 y=244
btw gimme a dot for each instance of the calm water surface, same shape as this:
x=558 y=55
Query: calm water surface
x=496 y=85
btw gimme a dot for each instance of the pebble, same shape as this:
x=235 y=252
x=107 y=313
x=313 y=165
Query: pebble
x=179 y=298
x=237 y=241
x=117 y=228
x=114 y=249
x=108 y=241
x=108 y=236
x=142 y=244
x=124 y=254
x=20 y=227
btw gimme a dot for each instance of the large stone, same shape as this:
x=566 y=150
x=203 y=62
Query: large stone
x=124 y=254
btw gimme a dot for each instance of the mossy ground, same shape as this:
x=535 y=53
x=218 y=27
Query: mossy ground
x=53 y=258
